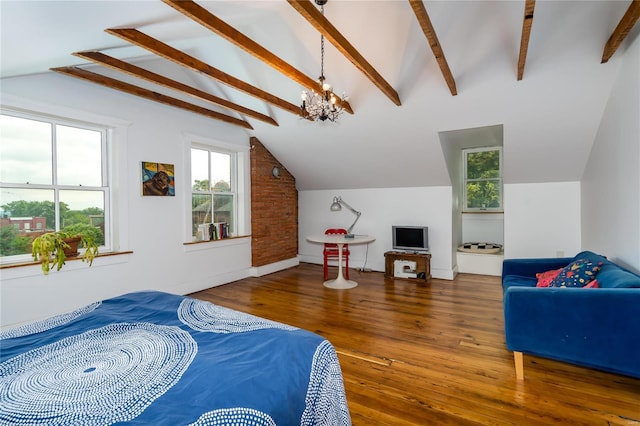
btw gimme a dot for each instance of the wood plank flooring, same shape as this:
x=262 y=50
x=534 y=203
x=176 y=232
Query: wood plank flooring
x=432 y=354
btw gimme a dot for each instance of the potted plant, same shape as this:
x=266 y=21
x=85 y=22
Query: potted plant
x=53 y=248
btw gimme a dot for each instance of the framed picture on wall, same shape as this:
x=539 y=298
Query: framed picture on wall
x=158 y=179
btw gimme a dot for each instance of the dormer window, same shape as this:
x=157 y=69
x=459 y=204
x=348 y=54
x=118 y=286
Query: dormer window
x=482 y=179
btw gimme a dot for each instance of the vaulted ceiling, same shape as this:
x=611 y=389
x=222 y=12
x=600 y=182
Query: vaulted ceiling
x=411 y=69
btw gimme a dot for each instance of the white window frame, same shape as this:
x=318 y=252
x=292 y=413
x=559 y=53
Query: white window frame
x=105 y=188
x=466 y=151
x=117 y=171
x=240 y=185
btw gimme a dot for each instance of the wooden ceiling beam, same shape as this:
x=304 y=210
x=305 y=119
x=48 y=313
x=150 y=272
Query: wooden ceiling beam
x=527 y=21
x=625 y=25
x=205 y=18
x=161 y=49
x=135 y=71
x=308 y=10
x=427 y=27
x=148 y=94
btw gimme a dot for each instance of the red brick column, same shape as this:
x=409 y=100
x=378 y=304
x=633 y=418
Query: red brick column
x=274 y=209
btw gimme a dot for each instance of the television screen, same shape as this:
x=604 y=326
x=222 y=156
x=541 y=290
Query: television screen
x=410 y=238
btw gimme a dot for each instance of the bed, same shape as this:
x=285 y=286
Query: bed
x=153 y=358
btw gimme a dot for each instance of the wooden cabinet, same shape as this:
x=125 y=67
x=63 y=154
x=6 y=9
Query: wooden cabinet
x=423 y=263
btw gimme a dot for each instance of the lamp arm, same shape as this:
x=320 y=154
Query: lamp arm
x=356 y=212
x=354 y=222
x=341 y=201
x=338 y=202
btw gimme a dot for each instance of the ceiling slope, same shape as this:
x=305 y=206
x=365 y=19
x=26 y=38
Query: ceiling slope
x=549 y=115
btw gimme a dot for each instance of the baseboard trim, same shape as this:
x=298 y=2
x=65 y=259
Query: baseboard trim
x=443 y=274
x=258 y=271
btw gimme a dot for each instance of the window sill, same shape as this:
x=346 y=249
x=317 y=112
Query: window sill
x=484 y=212
x=224 y=242
x=25 y=269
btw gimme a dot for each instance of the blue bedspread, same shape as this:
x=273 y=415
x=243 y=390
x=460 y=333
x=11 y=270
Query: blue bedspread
x=152 y=358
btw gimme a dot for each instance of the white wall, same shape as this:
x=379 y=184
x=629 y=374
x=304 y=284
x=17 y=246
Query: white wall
x=451 y=153
x=611 y=181
x=154 y=226
x=381 y=209
x=541 y=219
x=484 y=227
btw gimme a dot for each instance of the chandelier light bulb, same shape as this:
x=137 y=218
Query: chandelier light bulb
x=326 y=87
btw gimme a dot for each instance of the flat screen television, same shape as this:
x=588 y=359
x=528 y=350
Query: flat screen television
x=410 y=238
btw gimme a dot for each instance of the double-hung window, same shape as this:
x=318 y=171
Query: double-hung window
x=482 y=179
x=214 y=192
x=53 y=176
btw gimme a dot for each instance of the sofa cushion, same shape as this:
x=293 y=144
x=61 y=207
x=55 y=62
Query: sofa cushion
x=518 y=281
x=545 y=278
x=611 y=275
x=616 y=277
x=577 y=274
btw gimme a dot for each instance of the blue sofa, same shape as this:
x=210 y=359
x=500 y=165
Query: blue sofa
x=592 y=327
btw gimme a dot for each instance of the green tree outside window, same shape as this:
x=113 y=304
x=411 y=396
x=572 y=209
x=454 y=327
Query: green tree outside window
x=483 y=179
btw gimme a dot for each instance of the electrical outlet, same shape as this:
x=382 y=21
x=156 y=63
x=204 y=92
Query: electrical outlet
x=560 y=253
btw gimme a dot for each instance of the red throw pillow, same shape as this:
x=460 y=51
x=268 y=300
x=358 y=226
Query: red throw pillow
x=592 y=284
x=544 y=278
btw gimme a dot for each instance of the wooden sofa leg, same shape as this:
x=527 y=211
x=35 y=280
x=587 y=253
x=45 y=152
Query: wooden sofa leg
x=519 y=361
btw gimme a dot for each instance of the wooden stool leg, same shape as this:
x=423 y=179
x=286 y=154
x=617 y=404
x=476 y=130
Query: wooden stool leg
x=519 y=361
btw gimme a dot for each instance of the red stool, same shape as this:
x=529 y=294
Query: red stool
x=331 y=252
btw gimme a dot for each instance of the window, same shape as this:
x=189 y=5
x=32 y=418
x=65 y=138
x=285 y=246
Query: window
x=53 y=176
x=482 y=179
x=214 y=191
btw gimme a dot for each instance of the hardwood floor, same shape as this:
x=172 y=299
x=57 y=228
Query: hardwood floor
x=422 y=354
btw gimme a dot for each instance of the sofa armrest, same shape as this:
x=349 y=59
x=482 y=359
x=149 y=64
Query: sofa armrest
x=529 y=267
x=592 y=327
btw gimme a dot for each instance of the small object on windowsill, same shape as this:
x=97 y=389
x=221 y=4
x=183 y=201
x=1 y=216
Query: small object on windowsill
x=349 y=236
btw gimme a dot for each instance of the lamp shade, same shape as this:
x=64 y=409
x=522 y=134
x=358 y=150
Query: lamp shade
x=335 y=206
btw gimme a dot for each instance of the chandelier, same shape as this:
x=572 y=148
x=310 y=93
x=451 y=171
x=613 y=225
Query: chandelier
x=321 y=105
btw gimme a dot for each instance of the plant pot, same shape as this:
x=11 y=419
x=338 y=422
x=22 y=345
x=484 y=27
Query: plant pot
x=72 y=251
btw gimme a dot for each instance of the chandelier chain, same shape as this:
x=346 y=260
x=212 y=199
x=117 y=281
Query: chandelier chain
x=321 y=55
x=322 y=49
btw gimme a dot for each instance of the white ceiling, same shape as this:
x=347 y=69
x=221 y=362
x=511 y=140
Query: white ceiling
x=550 y=117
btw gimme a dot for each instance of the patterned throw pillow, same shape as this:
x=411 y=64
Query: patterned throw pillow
x=545 y=278
x=577 y=274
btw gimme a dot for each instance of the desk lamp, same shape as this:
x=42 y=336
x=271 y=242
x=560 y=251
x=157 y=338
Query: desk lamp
x=336 y=206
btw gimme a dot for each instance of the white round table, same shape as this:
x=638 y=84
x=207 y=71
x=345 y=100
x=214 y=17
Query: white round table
x=340 y=282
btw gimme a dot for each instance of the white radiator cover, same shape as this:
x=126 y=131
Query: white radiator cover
x=482 y=264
